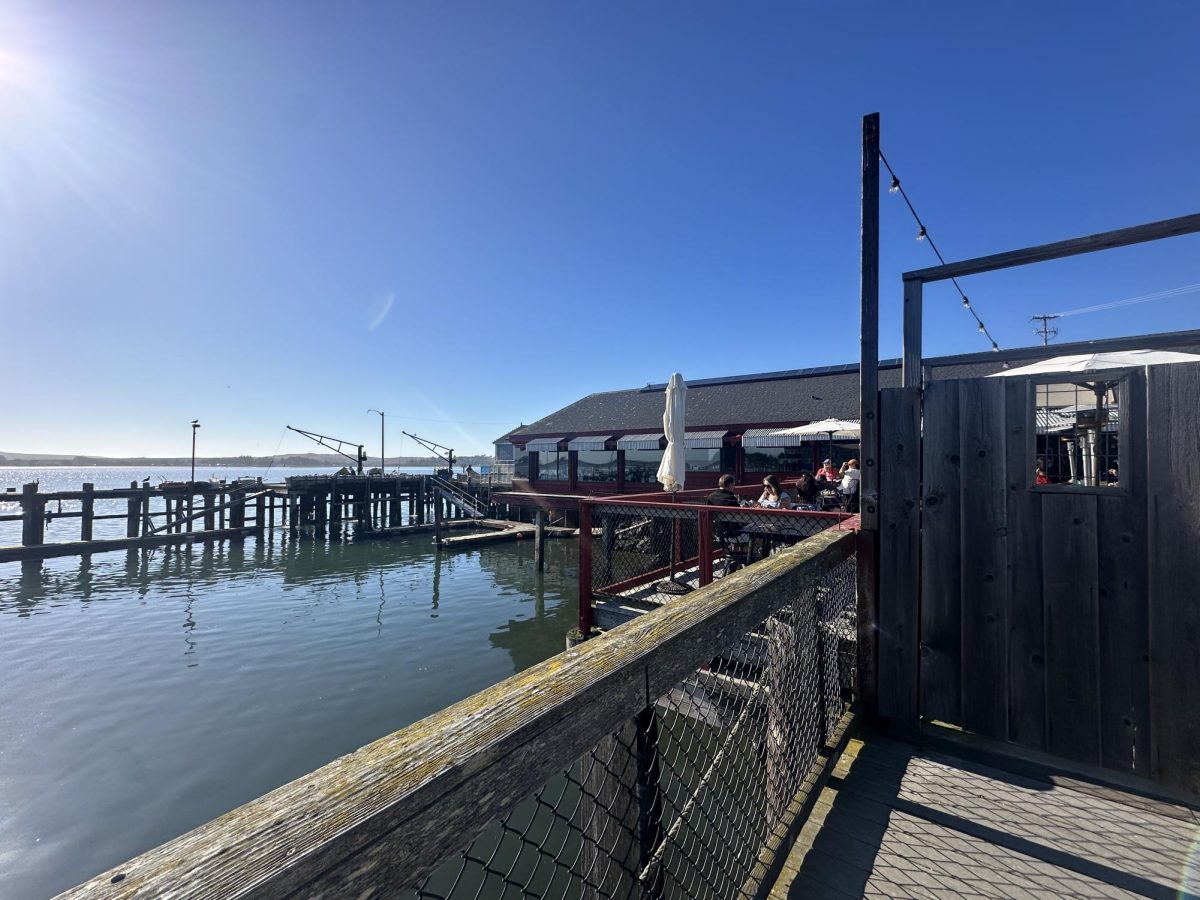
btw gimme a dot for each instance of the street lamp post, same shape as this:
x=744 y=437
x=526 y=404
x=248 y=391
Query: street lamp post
x=382 y=449
x=195 y=425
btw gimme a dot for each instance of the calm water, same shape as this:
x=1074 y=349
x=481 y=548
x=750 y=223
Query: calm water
x=145 y=693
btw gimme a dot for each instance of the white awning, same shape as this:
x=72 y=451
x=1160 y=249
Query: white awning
x=542 y=445
x=704 y=440
x=650 y=441
x=768 y=437
x=593 y=442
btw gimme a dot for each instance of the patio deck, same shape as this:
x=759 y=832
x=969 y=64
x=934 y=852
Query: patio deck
x=898 y=821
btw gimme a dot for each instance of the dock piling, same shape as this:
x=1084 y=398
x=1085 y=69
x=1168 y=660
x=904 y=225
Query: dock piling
x=539 y=541
x=89 y=508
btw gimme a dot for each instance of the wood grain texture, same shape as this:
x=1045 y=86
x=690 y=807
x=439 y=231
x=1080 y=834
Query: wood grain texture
x=1174 y=509
x=911 y=355
x=984 y=569
x=1070 y=584
x=1124 y=573
x=941 y=587
x=1026 y=620
x=899 y=557
x=378 y=819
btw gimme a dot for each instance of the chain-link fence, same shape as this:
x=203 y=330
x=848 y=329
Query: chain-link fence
x=682 y=799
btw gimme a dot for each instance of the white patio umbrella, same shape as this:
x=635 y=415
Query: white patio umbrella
x=671 y=471
x=1092 y=362
x=842 y=428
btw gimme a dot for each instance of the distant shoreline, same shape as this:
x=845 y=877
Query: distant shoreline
x=292 y=460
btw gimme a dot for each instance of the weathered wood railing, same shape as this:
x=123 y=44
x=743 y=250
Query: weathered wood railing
x=379 y=820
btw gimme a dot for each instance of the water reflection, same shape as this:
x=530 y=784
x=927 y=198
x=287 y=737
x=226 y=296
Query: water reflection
x=327 y=643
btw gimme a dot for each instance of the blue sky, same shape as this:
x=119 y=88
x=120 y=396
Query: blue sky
x=468 y=215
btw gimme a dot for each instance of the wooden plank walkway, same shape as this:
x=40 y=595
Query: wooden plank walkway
x=897 y=821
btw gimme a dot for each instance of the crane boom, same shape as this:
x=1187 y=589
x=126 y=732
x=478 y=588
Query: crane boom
x=434 y=447
x=335 y=445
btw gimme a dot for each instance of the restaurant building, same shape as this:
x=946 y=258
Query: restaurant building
x=612 y=442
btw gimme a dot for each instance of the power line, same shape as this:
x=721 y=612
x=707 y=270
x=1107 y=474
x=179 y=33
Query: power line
x=923 y=235
x=1131 y=301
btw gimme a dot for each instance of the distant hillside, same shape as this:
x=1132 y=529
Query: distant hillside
x=287 y=460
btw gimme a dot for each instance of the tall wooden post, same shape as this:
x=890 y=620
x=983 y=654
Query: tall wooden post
x=260 y=504
x=867 y=570
x=539 y=541
x=911 y=354
x=133 y=508
x=33 y=525
x=585 y=569
x=147 y=522
x=396 y=508
x=237 y=512
x=422 y=500
x=210 y=521
x=89 y=510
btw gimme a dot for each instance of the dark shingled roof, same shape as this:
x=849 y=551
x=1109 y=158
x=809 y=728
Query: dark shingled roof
x=778 y=398
x=748 y=401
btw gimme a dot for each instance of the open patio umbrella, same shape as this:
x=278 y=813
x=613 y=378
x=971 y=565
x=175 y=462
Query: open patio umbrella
x=841 y=427
x=672 y=469
x=1064 y=397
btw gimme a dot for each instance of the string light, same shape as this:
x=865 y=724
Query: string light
x=923 y=235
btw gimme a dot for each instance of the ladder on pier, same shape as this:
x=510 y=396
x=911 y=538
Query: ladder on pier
x=461 y=499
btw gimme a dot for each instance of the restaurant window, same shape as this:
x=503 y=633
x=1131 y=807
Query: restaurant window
x=791 y=460
x=596 y=465
x=1077 y=439
x=703 y=459
x=641 y=466
x=552 y=465
x=520 y=463
x=504 y=452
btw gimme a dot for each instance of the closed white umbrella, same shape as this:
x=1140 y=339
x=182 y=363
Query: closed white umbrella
x=671 y=471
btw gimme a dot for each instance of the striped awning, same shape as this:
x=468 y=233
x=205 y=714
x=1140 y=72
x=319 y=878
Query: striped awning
x=1049 y=421
x=704 y=440
x=766 y=437
x=650 y=441
x=592 y=442
x=543 y=445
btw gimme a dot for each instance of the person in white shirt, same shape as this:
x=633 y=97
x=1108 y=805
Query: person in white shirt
x=850 y=477
x=773 y=496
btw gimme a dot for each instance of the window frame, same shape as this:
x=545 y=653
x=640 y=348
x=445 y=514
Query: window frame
x=1125 y=399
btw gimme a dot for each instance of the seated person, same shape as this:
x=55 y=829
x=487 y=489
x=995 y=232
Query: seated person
x=806 y=489
x=827 y=473
x=773 y=496
x=723 y=495
x=851 y=481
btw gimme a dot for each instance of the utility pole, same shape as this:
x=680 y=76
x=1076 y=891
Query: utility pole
x=1045 y=330
x=382 y=450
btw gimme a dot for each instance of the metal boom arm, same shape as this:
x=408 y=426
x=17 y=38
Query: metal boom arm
x=335 y=445
x=433 y=447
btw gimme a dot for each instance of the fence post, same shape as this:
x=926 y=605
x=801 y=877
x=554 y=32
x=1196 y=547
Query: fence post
x=609 y=817
x=649 y=796
x=705 y=550
x=33 y=527
x=132 y=508
x=89 y=508
x=585 y=567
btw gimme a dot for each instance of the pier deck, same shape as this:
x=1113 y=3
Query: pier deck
x=899 y=821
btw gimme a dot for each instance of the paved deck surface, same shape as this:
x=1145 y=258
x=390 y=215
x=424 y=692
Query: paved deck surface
x=899 y=822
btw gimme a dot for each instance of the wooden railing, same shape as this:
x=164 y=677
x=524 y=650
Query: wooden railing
x=378 y=820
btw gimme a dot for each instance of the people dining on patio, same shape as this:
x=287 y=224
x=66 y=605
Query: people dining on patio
x=827 y=472
x=806 y=489
x=774 y=496
x=723 y=495
x=851 y=480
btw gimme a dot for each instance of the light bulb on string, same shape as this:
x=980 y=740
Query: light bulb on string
x=895 y=185
x=996 y=349
x=981 y=328
x=966 y=303
x=921 y=234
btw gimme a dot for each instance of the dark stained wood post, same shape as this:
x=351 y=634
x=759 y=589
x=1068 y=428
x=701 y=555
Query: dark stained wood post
x=539 y=541
x=210 y=501
x=260 y=504
x=89 y=506
x=867 y=569
x=132 y=512
x=609 y=851
x=335 y=509
x=237 y=512
x=147 y=525
x=911 y=354
x=33 y=526
x=437 y=521
x=396 y=507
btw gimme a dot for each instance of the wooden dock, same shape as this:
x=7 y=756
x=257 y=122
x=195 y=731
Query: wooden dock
x=899 y=821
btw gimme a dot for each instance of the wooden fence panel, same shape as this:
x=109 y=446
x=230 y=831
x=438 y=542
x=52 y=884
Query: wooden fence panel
x=1174 y=508
x=984 y=565
x=1123 y=552
x=900 y=556
x=1070 y=582
x=1026 y=623
x=941 y=588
